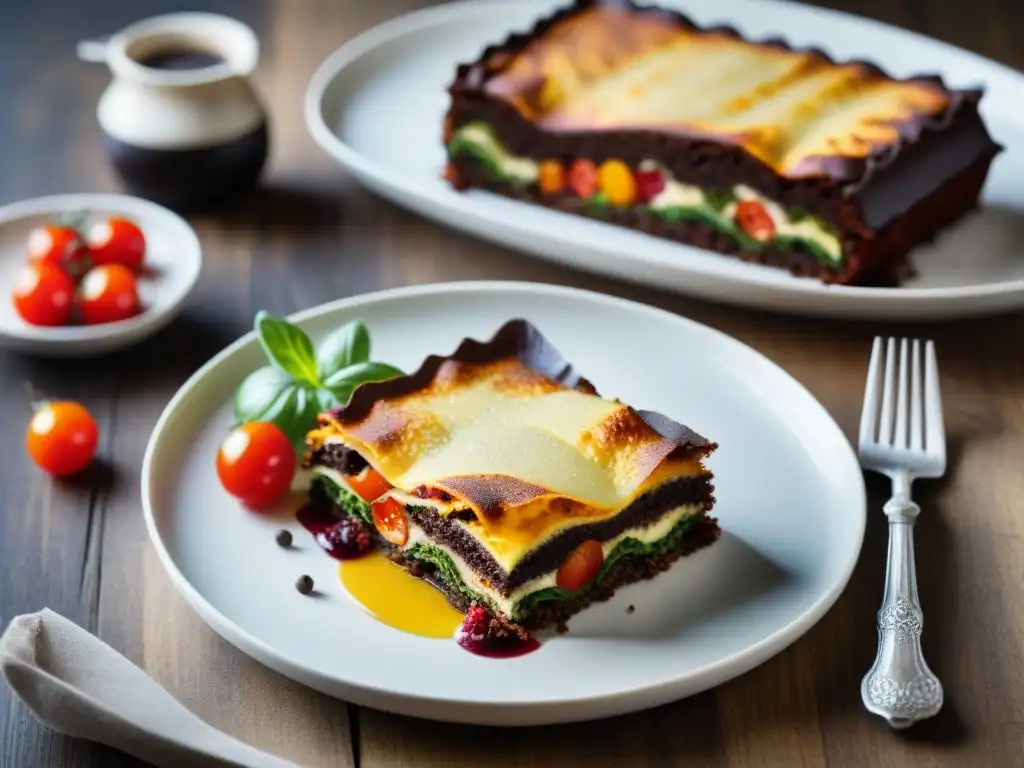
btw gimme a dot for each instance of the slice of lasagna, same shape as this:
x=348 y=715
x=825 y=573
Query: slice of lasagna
x=501 y=476
x=637 y=116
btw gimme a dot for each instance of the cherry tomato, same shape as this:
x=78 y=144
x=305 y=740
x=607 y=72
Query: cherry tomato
x=453 y=177
x=107 y=294
x=753 y=219
x=59 y=246
x=391 y=521
x=43 y=294
x=62 y=437
x=583 y=177
x=369 y=484
x=551 y=177
x=117 y=241
x=256 y=463
x=580 y=567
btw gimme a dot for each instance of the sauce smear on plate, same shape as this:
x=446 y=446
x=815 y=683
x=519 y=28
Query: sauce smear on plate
x=397 y=599
x=400 y=600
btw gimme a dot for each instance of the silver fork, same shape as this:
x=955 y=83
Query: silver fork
x=902 y=436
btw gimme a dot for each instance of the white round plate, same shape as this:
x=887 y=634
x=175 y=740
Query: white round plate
x=791 y=503
x=173 y=260
x=377 y=104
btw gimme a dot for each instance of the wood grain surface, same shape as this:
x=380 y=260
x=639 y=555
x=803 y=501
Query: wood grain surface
x=310 y=235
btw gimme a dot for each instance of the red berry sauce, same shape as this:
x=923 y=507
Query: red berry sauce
x=484 y=635
x=342 y=538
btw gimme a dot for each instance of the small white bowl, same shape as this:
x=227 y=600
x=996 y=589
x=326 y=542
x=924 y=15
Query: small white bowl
x=172 y=265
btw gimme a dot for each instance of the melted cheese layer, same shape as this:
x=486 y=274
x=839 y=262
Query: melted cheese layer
x=501 y=421
x=606 y=68
x=527 y=455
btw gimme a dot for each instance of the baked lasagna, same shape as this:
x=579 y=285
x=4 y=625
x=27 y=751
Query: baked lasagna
x=501 y=476
x=636 y=116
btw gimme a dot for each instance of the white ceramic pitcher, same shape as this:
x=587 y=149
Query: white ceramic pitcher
x=181 y=120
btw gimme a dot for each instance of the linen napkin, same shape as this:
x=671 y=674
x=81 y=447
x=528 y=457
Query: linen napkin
x=78 y=685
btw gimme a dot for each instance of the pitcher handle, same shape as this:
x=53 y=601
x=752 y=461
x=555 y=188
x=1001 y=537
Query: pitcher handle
x=92 y=50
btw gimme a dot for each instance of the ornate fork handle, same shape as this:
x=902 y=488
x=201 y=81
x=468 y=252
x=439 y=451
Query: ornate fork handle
x=899 y=686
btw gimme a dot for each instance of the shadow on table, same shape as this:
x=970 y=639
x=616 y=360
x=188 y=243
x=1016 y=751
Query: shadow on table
x=99 y=477
x=689 y=728
x=176 y=351
x=279 y=207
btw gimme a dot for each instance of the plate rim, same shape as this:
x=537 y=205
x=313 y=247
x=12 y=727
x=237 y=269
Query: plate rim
x=134 y=327
x=416 y=195
x=544 y=710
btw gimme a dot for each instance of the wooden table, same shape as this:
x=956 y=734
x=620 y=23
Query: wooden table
x=311 y=236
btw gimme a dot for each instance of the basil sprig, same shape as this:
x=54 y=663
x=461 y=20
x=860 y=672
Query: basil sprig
x=304 y=380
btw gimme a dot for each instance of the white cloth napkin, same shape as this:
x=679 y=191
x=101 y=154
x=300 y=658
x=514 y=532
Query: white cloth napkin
x=78 y=685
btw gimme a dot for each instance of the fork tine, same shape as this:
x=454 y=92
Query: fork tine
x=916 y=400
x=935 y=433
x=869 y=414
x=899 y=438
x=885 y=427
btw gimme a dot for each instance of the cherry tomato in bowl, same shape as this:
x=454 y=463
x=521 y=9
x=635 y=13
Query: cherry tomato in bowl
x=256 y=463
x=116 y=240
x=61 y=437
x=170 y=272
x=60 y=246
x=43 y=294
x=108 y=293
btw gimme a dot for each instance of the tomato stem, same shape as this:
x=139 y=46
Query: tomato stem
x=74 y=220
x=34 y=403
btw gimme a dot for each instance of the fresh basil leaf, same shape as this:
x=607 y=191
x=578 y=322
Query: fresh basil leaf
x=270 y=394
x=360 y=373
x=288 y=347
x=327 y=399
x=298 y=416
x=348 y=345
x=340 y=393
x=260 y=393
x=341 y=384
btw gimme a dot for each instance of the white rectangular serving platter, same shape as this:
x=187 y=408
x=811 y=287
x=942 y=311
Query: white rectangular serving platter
x=376 y=105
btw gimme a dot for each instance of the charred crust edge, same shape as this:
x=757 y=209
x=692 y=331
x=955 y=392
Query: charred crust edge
x=521 y=339
x=852 y=174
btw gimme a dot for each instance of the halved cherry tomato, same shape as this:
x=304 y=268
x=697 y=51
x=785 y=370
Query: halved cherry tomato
x=369 y=484
x=43 y=293
x=580 y=567
x=391 y=521
x=108 y=293
x=753 y=219
x=583 y=177
x=551 y=177
x=256 y=463
x=59 y=246
x=117 y=241
x=61 y=437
